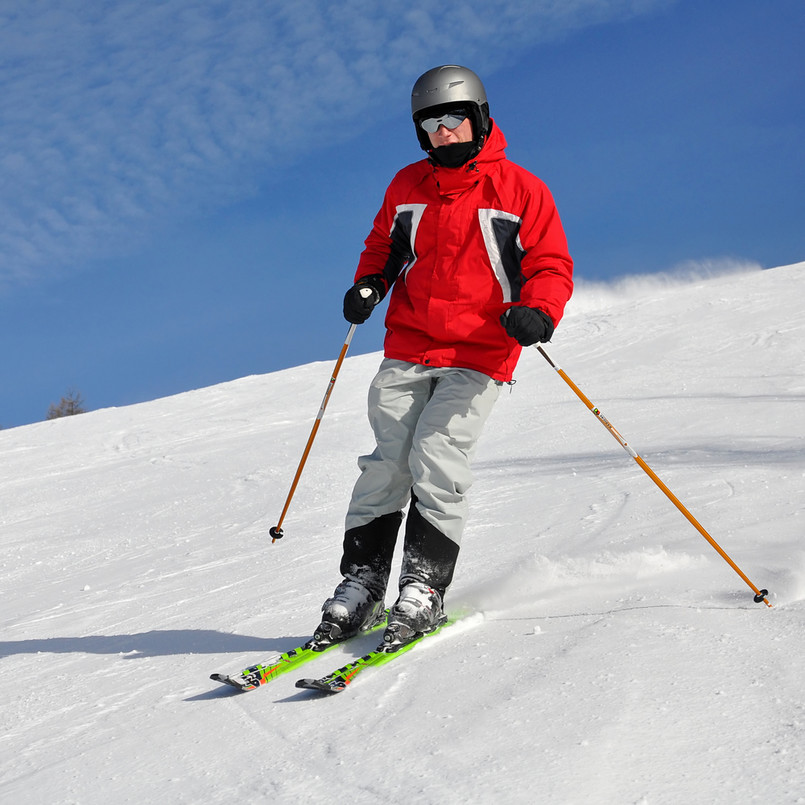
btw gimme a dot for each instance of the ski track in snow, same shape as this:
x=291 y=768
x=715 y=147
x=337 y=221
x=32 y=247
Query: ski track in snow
x=609 y=655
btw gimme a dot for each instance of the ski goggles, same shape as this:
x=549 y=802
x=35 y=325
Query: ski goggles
x=450 y=120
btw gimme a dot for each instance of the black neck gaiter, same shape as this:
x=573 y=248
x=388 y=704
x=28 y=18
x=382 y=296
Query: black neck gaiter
x=455 y=154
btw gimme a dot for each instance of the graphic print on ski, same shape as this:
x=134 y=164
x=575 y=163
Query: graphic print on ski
x=338 y=680
x=257 y=675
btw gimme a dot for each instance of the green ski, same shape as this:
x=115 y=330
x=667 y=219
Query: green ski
x=256 y=675
x=338 y=680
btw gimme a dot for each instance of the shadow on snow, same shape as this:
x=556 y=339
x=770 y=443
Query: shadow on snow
x=152 y=644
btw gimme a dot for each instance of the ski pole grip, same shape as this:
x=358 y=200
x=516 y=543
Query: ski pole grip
x=368 y=292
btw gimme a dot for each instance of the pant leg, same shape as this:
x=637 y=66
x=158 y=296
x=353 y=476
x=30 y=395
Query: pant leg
x=444 y=443
x=368 y=553
x=397 y=396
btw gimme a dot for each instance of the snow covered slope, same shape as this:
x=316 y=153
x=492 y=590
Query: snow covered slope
x=615 y=657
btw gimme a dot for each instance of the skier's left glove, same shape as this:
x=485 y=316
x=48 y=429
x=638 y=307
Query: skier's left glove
x=527 y=325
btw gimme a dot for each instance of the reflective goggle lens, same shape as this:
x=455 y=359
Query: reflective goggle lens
x=449 y=120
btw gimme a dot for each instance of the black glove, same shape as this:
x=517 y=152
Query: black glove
x=358 y=304
x=527 y=325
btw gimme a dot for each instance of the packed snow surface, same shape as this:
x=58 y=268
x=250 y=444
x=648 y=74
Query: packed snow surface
x=610 y=654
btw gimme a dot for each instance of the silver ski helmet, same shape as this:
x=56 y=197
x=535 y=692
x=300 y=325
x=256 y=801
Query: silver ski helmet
x=441 y=88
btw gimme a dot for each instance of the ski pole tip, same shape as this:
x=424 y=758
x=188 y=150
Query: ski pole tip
x=761 y=598
x=276 y=533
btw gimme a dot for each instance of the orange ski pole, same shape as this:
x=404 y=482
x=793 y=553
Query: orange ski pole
x=760 y=595
x=276 y=531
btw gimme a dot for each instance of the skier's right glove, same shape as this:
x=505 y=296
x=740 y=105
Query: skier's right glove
x=358 y=305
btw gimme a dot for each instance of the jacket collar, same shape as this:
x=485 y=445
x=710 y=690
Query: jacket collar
x=453 y=181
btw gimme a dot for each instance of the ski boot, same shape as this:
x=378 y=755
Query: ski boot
x=417 y=611
x=351 y=609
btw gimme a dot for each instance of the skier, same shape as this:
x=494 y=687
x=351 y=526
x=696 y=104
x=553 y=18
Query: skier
x=472 y=249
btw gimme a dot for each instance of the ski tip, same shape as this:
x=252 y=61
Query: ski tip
x=319 y=686
x=225 y=679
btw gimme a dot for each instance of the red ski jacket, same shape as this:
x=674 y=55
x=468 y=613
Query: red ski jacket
x=458 y=246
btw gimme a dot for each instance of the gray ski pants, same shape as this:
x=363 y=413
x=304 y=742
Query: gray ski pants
x=426 y=422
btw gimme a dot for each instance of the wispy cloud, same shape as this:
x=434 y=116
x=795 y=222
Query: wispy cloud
x=117 y=116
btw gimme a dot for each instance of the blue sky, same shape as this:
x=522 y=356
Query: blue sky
x=186 y=186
